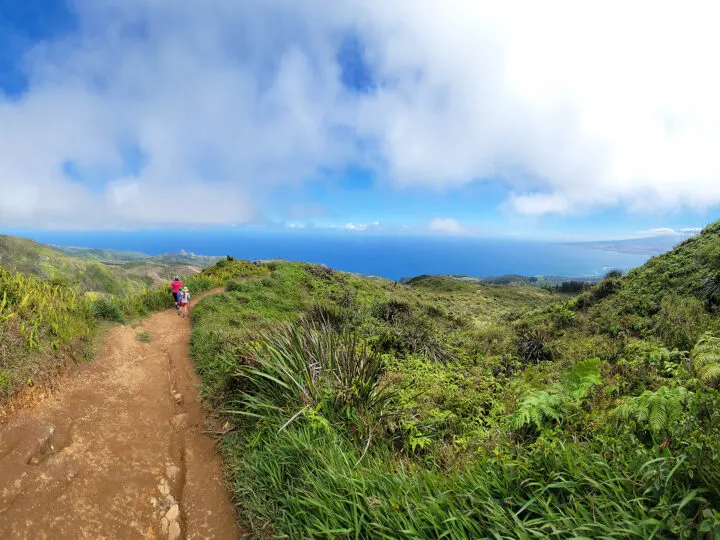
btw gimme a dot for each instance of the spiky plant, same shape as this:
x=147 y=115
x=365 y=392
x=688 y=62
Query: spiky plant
x=306 y=369
x=706 y=359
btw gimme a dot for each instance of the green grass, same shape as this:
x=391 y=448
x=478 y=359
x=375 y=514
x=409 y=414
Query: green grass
x=507 y=411
x=143 y=337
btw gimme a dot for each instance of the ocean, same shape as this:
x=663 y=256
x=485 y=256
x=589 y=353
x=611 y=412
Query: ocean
x=392 y=257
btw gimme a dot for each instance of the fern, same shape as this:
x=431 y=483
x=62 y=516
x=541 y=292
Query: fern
x=536 y=409
x=540 y=407
x=582 y=377
x=706 y=359
x=657 y=411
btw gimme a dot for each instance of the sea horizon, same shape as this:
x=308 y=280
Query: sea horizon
x=391 y=257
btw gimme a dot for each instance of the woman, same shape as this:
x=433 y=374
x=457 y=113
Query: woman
x=176 y=287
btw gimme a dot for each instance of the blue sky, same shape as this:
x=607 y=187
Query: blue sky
x=413 y=118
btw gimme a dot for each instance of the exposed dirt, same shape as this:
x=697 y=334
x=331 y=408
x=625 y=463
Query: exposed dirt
x=118 y=450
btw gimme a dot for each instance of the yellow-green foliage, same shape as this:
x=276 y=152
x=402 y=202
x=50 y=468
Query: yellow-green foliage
x=118 y=273
x=233 y=268
x=41 y=320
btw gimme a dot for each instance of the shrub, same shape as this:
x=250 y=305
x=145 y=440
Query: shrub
x=490 y=340
x=304 y=370
x=235 y=285
x=533 y=345
x=606 y=287
x=391 y=311
x=680 y=321
x=107 y=308
x=330 y=317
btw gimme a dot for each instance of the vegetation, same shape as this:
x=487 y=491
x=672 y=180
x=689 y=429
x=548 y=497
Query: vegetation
x=46 y=323
x=104 y=271
x=442 y=407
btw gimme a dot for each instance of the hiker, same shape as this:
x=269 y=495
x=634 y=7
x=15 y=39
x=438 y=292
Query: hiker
x=176 y=287
x=184 y=301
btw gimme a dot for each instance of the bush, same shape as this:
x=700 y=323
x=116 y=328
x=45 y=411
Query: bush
x=304 y=370
x=490 y=340
x=200 y=283
x=391 y=311
x=680 y=321
x=108 y=309
x=330 y=317
x=533 y=345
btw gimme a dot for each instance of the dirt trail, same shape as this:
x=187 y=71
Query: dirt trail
x=118 y=450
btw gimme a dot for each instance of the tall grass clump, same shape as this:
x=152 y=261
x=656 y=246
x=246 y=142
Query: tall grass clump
x=41 y=323
x=308 y=370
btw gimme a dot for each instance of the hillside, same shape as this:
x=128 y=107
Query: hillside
x=440 y=407
x=104 y=271
x=437 y=407
x=120 y=257
x=49 y=323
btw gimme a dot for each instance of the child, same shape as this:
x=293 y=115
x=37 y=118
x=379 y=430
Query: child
x=176 y=286
x=184 y=301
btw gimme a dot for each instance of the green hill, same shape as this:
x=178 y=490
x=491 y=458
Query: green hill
x=105 y=271
x=442 y=407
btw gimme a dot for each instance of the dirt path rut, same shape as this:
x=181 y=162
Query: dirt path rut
x=118 y=450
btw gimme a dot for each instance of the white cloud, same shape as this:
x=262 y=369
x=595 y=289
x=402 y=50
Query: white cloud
x=564 y=100
x=659 y=231
x=668 y=231
x=358 y=227
x=568 y=103
x=445 y=226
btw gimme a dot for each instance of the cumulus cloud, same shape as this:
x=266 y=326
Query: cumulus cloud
x=561 y=99
x=445 y=226
x=571 y=105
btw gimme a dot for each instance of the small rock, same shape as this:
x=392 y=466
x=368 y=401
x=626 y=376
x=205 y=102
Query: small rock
x=179 y=421
x=163 y=487
x=177 y=396
x=153 y=502
x=174 y=532
x=172 y=472
x=173 y=513
x=164 y=525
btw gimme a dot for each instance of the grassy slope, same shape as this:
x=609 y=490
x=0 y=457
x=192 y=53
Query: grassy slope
x=515 y=413
x=95 y=270
x=119 y=257
x=47 y=323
